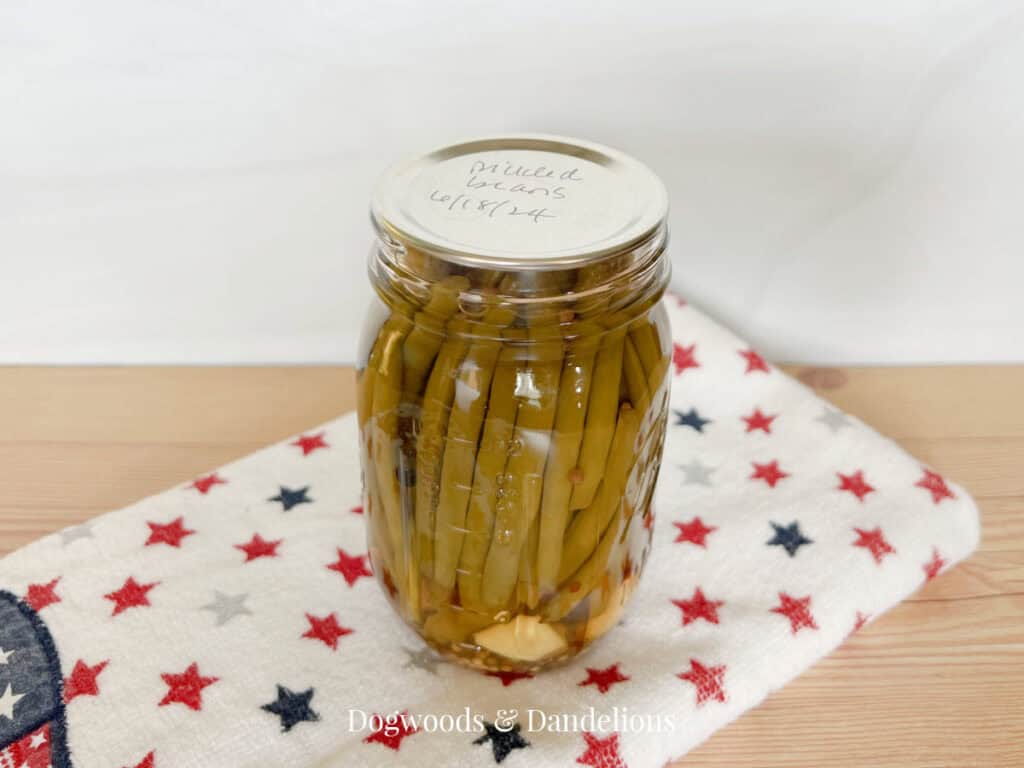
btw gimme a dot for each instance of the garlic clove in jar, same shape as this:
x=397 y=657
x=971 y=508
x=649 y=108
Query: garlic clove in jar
x=525 y=638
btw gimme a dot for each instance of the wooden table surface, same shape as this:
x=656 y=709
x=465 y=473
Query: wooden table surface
x=939 y=681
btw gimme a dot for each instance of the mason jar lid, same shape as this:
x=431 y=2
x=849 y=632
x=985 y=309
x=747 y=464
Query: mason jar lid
x=521 y=202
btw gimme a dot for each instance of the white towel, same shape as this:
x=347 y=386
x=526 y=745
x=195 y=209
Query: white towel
x=231 y=621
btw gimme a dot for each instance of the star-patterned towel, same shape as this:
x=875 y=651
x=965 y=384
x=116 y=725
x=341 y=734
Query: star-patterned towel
x=232 y=621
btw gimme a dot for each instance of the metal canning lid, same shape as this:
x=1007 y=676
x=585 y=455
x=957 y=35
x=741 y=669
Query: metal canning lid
x=521 y=202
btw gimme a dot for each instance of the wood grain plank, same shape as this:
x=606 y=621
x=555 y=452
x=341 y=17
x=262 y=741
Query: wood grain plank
x=926 y=401
x=168 y=404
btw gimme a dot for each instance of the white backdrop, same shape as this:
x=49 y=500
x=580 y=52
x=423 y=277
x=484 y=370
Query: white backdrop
x=188 y=181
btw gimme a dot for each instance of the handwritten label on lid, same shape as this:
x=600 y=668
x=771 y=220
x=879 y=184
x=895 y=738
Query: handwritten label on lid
x=530 y=203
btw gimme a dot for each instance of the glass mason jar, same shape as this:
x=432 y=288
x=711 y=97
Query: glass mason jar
x=512 y=393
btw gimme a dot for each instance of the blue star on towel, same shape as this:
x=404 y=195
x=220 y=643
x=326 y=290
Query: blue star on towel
x=789 y=538
x=290 y=498
x=690 y=419
x=293 y=708
x=502 y=741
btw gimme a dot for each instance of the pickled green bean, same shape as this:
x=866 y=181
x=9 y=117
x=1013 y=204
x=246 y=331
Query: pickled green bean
x=488 y=475
x=537 y=392
x=588 y=524
x=472 y=388
x=573 y=395
x=636 y=380
x=387 y=395
x=430 y=443
x=600 y=422
x=427 y=334
x=583 y=581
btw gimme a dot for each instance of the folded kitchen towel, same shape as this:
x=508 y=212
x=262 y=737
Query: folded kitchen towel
x=232 y=621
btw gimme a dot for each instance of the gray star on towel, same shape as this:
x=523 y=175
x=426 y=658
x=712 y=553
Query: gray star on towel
x=424 y=659
x=226 y=607
x=834 y=419
x=69 y=535
x=697 y=473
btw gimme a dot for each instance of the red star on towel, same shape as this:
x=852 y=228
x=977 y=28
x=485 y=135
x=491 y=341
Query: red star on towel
x=797 y=610
x=683 y=357
x=934 y=566
x=147 y=761
x=352 y=568
x=861 y=620
x=204 y=484
x=38 y=596
x=168 y=533
x=358 y=510
x=936 y=485
x=769 y=472
x=758 y=420
x=710 y=681
x=507 y=678
x=699 y=607
x=309 y=443
x=259 y=547
x=754 y=361
x=390 y=731
x=130 y=595
x=601 y=753
x=695 y=532
x=855 y=484
x=82 y=680
x=327 y=630
x=874 y=542
x=186 y=688
x=604 y=678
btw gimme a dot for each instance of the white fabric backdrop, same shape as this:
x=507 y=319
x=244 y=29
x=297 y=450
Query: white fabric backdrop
x=187 y=182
